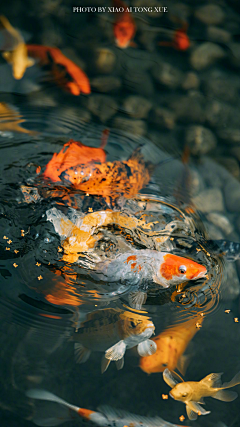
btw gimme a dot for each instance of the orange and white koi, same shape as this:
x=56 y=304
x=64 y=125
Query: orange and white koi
x=124 y=27
x=106 y=416
x=171 y=345
x=180 y=40
x=16 y=53
x=65 y=71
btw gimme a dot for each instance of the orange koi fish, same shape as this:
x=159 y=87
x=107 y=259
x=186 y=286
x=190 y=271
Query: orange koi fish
x=65 y=71
x=106 y=416
x=72 y=154
x=10 y=120
x=171 y=345
x=111 y=179
x=180 y=40
x=16 y=54
x=124 y=27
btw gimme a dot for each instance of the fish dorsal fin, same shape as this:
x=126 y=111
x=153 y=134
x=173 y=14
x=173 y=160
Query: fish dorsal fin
x=212 y=380
x=113 y=414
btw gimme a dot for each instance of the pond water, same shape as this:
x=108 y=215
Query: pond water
x=128 y=244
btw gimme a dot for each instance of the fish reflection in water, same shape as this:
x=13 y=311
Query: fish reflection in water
x=106 y=416
x=171 y=345
x=192 y=392
x=10 y=120
x=103 y=328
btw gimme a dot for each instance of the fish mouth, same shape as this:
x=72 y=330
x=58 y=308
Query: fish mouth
x=170 y=394
x=202 y=274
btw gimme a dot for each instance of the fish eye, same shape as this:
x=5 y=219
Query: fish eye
x=184 y=394
x=132 y=324
x=182 y=269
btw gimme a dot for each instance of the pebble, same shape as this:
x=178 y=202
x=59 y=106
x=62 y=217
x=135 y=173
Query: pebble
x=230 y=136
x=205 y=55
x=167 y=75
x=230 y=164
x=210 y=14
x=222 y=86
x=135 y=127
x=220 y=221
x=106 y=83
x=218 y=35
x=209 y=200
x=235 y=53
x=232 y=195
x=213 y=232
x=102 y=106
x=219 y=114
x=164 y=118
x=190 y=81
x=105 y=60
x=200 y=140
x=137 y=107
x=230 y=288
x=189 y=108
x=139 y=82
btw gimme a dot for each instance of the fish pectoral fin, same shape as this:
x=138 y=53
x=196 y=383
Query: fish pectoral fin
x=183 y=363
x=104 y=364
x=169 y=379
x=81 y=353
x=212 y=380
x=117 y=351
x=225 y=396
x=119 y=363
x=137 y=299
x=195 y=407
x=147 y=348
x=201 y=401
x=191 y=414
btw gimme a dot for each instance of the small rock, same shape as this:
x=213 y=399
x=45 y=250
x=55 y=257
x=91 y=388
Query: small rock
x=205 y=55
x=222 y=86
x=102 y=106
x=222 y=115
x=105 y=60
x=218 y=35
x=230 y=164
x=213 y=232
x=209 y=200
x=106 y=83
x=189 y=108
x=167 y=75
x=232 y=195
x=231 y=136
x=164 y=118
x=235 y=53
x=137 y=107
x=210 y=14
x=221 y=222
x=135 y=127
x=190 y=81
x=230 y=288
x=139 y=82
x=200 y=140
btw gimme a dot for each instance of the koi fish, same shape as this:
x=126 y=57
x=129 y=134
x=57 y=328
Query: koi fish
x=106 y=416
x=103 y=328
x=193 y=392
x=124 y=27
x=17 y=53
x=73 y=153
x=65 y=71
x=180 y=40
x=171 y=345
x=10 y=120
x=111 y=179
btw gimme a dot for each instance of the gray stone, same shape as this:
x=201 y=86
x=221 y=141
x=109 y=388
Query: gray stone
x=205 y=55
x=190 y=81
x=164 y=118
x=231 y=136
x=232 y=195
x=213 y=232
x=209 y=200
x=220 y=221
x=137 y=107
x=135 y=127
x=230 y=164
x=235 y=53
x=222 y=86
x=106 y=83
x=222 y=115
x=189 y=108
x=102 y=106
x=105 y=60
x=230 y=288
x=218 y=35
x=200 y=140
x=167 y=75
x=210 y=14
x=139 y=82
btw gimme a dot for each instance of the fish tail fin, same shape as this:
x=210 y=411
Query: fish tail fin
x=225 y=396
x=233 y=382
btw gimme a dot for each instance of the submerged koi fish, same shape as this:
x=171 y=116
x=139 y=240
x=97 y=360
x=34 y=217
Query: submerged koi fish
x=16 y=54
x=73 y=153
x=65 y=71
x=180 y=40
x=105 y=417
x=10 y=120
x=171 y=345
x=111 y=179
x=193 y=392
x=124 y=27
x=105 y=327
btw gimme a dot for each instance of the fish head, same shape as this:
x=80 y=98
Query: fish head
x=182 y=391
x=175 y=270
x=133 y=324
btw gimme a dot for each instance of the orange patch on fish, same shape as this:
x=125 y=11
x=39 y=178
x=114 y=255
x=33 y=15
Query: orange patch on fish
x=85 y=413
x=133 y=265
x=50 y=316
x=131 y=258
x=124 y=27
x=170 y=267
